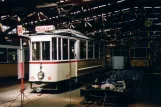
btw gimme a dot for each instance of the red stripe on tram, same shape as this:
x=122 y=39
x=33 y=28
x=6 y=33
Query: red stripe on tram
x=52 y=62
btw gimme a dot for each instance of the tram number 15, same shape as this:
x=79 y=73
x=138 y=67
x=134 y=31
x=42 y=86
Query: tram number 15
x=49 y=78
x=33 y=78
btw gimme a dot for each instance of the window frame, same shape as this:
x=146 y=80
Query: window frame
x=67 y=48
x=75 y=44
x=57 y=45
x=98 y=50
x=31 y=52
x=92 y=49
x=134 y=52
x=42 y=51
x=86 y=57
x=6 y=55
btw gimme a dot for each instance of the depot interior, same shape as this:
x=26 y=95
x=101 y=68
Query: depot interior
x=130 y=30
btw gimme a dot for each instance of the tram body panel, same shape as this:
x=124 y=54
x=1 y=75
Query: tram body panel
x=53 y=72
x=139 y=62
x=8 y=70
x=88 y=66
x=40 y=38
x=11 y=69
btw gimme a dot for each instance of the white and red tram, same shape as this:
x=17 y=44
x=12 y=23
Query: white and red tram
x=55 y=57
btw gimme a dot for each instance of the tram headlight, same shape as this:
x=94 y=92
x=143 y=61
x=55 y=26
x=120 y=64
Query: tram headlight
x=41 y=75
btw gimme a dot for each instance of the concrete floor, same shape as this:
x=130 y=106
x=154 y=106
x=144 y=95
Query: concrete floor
x=149 y=96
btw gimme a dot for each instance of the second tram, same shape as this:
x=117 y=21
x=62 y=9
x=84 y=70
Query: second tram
x=9 y=53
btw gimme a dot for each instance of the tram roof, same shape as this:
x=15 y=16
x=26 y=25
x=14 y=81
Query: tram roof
x=72 y=33
x=65 y=32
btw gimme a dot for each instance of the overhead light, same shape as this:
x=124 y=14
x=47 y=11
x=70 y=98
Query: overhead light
x=47 y=5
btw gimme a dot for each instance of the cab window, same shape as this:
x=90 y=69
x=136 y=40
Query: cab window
x=36 y=51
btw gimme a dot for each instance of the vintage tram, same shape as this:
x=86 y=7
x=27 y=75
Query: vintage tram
x=140 y=57
x=63 y=54
x=9 y=55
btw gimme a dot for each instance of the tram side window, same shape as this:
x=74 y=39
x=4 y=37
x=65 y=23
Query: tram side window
x=65 y=49
x=82 y=49
x=59 y=48
x=116 y=52
x=36 y=51
x=140 y=52
x=3 y=55
x=124 y=52
x=12 y=55
x=90 y=50
x=54 y=49
x=26 y=55
x=46 y=50
x=72 y=49
x=132 y=53
x=96 y=50
x=101 y=51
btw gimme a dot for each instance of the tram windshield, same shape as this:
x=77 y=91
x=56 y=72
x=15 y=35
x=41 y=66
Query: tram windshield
x=36 y=51
x=46 y=50
x=139 y=52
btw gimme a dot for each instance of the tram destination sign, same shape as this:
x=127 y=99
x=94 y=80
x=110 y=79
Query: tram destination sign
x=44 y=28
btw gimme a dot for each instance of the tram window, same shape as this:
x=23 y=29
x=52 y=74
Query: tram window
x=90 y=50
x=132 y=53
x=72 y=49
x=3 y=55
x=65 y=49
x=140 y=52
x=46 y=50
x=36 y=50
x=124 y=52
x=59 y=48
x=26 y=55
x=96 y=50
x=116 y=52
x=12 y=55
x=83 y=49
x=101 y=51
x=54 y=49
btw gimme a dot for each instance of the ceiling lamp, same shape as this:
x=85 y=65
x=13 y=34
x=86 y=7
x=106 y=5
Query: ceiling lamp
x=47 y=5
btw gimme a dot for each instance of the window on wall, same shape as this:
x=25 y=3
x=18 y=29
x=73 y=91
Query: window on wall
x=72 y=49
x=12 y=55
x=46 y=50
x=3 y=55
x=83 y=49
x=96 y=50
x=90 y=50
x=36 y=51
x=54 y=48
x=65 y=49
x=59 y=48
x=101 y=50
